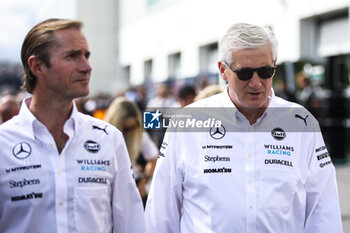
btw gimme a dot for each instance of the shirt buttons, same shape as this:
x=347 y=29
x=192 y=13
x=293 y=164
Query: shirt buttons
x=50 y=145
x=59 y=172
x=250 y=129
x=249 y=155
x=60 y=203
x=250 y=181
x=251 y=207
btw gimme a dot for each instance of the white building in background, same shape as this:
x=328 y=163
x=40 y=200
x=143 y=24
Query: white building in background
x=101 y=22
x=154 y=40
x=162 y=39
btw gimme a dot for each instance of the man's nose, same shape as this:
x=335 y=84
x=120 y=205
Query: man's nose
x=84 y=65
x=255 y=81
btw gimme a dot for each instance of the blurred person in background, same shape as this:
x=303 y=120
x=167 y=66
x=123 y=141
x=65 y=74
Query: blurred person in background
x=63 y=171
x=164 y=98
x=308 y=95
x=126 y=116
x=186 y=95
x=138 y=94
x=201 y=82
x=282 y=91
x=9 y=107
x=207 y=92
x=264 y=169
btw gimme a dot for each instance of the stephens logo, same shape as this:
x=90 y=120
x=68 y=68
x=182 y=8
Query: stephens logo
x=278 y=134
x=22 y=183
x=151 y=120
x=217 y=158
x=92 y=146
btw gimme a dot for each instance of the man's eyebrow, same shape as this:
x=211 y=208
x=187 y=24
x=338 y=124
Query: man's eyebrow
x=74 y=52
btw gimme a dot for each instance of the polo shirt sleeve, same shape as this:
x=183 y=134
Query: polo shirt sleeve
x=322 y=207
x=128 y=216
x=163 y=209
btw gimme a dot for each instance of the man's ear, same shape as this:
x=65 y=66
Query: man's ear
x=222 y=70
x=36 y=65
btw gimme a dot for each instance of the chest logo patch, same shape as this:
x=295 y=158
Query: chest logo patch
x=302 y=118
x=99 y=128
x=278 y=134
x=22 y=150
x=217 y=132
x=92 y=146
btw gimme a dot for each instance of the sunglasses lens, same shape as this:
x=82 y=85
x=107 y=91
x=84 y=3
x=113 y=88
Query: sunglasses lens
x=266 y=72
x=244 y=73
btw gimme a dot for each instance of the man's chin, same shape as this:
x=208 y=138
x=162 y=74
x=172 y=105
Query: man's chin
x=255 y=105
x=83 y=93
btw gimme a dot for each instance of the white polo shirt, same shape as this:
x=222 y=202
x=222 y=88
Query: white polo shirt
x=273 y=176
x=88 y=187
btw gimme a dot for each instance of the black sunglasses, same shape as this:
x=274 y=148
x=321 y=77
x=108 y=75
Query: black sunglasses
x=244 y=74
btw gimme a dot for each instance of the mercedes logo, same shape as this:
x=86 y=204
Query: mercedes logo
x=22 y=150
x=217 y=132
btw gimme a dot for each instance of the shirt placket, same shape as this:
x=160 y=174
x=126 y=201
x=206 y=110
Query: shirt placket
x=250 y=180
x=62 y=184
x=61 y=194
x=58 y=164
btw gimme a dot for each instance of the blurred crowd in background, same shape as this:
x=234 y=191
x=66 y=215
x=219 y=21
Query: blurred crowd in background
x=170 y=93
x=125 y=110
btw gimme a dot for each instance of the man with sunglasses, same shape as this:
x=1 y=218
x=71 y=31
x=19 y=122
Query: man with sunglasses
x=264 y=169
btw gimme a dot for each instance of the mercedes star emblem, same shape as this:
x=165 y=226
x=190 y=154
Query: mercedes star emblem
x=217 y=132
x=22 y=150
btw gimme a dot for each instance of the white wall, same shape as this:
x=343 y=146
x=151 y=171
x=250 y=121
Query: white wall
x=184 y=26
x=128 y=32
x=101 y=29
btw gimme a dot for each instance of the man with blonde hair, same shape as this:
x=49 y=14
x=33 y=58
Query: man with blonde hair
x=63 y=171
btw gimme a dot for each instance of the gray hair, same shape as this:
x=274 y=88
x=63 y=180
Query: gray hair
x=243 y=36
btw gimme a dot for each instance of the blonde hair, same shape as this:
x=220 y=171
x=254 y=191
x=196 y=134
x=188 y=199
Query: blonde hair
x=120 y=110
x=38 y=42
x=208 y=91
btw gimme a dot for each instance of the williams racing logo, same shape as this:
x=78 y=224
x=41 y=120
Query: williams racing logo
x=278 y=134
x=279 y=150
x=22 y=150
